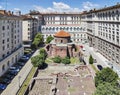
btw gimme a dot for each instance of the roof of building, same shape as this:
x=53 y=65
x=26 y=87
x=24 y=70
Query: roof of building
x=102 y=9
x=9 y=15
x=62 y=34
x=27 y=17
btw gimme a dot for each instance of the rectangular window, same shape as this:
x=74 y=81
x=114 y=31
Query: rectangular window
x=3 y=28
x=7 y=39
x=3 y=48
x=3 y=41
x=7 y=45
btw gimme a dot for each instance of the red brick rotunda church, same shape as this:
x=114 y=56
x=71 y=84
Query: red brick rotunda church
x=62 y=46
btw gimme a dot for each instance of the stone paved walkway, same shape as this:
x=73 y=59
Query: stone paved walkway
x=13 y=87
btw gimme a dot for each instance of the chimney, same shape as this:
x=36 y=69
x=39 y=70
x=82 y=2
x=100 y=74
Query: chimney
x=12 y=12
x=118 y=3
x=18 y=13
x=9 y=12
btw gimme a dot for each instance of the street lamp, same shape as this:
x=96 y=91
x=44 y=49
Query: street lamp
x=19 y=81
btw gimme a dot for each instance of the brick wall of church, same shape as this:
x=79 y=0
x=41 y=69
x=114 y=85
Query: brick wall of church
x=62 y=40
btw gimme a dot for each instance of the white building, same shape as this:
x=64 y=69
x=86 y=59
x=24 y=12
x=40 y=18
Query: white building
x=103 y=29
x=10 y=40
x=29 y=28
x=38 y=16
x=70 y=22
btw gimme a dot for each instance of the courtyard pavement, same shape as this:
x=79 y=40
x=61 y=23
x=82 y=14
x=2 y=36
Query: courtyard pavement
x=65 y=78
x=13 y=87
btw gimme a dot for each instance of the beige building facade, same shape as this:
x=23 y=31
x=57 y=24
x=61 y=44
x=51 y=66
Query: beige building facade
x=11 y=48
x=103 y=30
x=30 y=29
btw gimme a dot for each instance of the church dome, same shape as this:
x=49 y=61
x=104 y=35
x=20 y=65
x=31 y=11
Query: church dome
x=62 y=34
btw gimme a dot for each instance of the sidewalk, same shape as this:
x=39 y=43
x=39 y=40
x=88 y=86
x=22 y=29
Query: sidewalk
x=13 y=87
x=101 y=60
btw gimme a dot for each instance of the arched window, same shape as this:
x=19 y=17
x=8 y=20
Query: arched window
x=60 y=28
x=67 y=28
x=3 y=67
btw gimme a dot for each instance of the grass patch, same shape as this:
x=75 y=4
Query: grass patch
x=49 y=60
x=26 y=82
x=71 y=89
x=94 y=68
x=74 y=60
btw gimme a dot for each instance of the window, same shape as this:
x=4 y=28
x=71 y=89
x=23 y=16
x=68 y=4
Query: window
x=3 y=67
x=3 y=28
x=12 y=59
x=3 y=47
x=8 y=63
x=7 y=45
x=61 y=41
x=28 y=33
x=3 y=55
x=7 y=39
x=7 y=52
x=28 y=38
x=7 y=27
x=15 y=42
x=3 y=41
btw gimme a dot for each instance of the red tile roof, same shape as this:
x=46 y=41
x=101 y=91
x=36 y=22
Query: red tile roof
x=62 y=34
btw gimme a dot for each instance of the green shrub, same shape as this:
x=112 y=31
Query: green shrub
x=66 y=60
x=43 y=53
x=91 y=59
x=106 y=75
x=49 y=39
x=37 y=60
x=57 y=59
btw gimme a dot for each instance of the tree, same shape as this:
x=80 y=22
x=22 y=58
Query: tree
x=37 y=61
x=35 y=43
x=66 y=60
x=106 y=75
x=37 y=40
x=57 y=59
x=49 y=39
x=40 y=37
x=107 y=89
x=91 y=59
x=43 y=53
